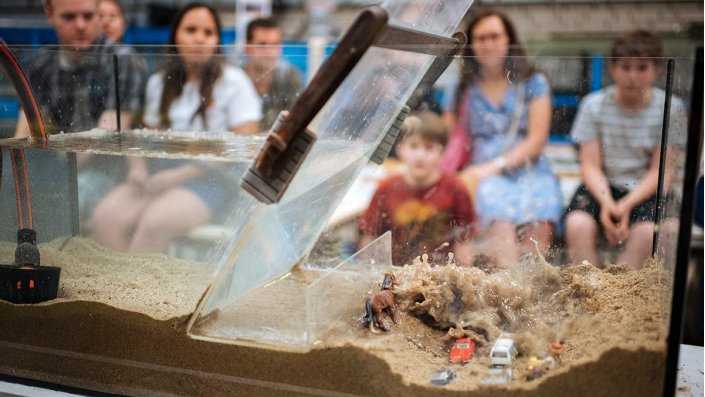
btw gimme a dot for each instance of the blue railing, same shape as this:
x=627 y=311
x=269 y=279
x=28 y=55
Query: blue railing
x=31 y=36
x=9 y=106
x=566 y=100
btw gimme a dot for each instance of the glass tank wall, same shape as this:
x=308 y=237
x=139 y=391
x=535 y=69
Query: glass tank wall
x=289 y=276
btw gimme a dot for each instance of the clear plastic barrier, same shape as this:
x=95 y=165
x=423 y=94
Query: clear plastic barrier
x=336 y=319
x=348 y=129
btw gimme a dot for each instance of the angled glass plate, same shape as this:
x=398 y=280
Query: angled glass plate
x=348 y=128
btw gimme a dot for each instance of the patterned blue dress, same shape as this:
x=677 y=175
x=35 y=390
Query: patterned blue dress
x=524 y=195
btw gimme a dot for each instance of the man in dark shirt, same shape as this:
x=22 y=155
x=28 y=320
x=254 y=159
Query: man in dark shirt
x=277 y=81
x=74 y=85
x=74 y=82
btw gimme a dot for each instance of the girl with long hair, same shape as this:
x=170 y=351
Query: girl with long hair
x=195 y=91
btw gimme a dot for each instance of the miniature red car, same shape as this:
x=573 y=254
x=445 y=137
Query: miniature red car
x=462 y=350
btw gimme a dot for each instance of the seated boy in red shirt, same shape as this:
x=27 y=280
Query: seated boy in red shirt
x=428 y=212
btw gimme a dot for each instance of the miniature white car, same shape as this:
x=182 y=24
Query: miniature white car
x=503 y=351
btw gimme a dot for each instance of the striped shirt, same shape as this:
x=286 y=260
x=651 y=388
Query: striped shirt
x=628 y=140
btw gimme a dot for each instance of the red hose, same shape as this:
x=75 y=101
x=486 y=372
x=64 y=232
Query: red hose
x=19 y=169
x=24 y=92
x=36 y=129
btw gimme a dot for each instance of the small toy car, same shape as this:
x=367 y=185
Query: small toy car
x=462 y=350
x=503 y=351
x=442 y=377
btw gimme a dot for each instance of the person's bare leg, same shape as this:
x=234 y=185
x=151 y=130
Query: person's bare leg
x=116 y=215
x=638 y=246
x=542 y=232
x=581 y=231
x=502 y=244
x=170 y=215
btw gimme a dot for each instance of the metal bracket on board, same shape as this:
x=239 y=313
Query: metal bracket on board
x=444 y=49
x=380 y=154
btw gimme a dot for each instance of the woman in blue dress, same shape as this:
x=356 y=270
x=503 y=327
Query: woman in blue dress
x=504 y=105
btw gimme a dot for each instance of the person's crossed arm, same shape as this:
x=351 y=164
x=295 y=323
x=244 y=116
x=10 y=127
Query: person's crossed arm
x=614 y=222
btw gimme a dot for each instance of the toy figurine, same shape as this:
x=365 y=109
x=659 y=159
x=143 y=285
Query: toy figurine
x=556 y=348
x=379 y=302
x=534 y=369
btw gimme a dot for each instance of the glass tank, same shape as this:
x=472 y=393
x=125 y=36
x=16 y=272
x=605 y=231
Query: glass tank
x=228 y=295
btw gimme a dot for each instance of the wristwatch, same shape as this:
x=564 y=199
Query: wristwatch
x=500 y=162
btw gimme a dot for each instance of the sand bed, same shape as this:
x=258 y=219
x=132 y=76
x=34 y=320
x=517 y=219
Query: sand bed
x=119 y=326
